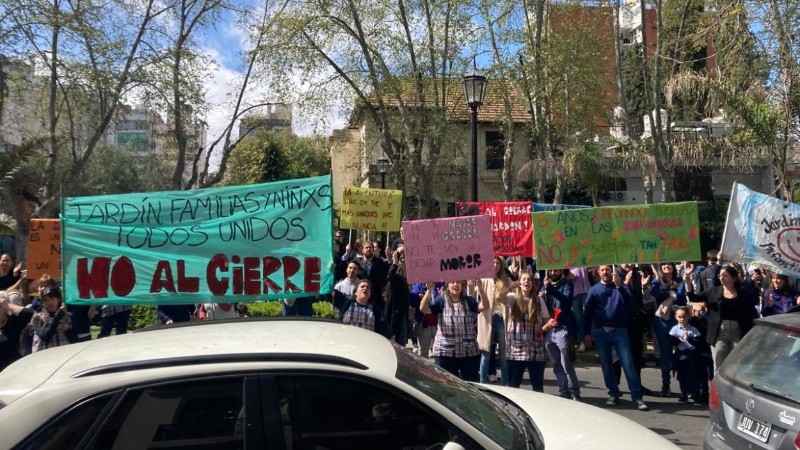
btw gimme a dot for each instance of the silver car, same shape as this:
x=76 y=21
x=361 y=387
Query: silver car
x=754 y=399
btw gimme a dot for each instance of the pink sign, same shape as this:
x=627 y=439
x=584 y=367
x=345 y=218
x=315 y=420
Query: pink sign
x=454 y=248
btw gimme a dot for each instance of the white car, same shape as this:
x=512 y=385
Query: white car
x=280 y=384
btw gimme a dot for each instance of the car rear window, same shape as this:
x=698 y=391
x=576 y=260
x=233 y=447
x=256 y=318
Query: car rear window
x=767 y=359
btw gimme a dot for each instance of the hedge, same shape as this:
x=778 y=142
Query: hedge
x=145 y=315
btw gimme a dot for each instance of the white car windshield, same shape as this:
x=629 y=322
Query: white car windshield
x=462 y=398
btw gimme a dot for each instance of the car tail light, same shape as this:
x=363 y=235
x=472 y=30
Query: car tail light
x=713 y=397
x=797 y=441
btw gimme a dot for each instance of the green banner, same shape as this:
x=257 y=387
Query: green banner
x=227 y=244
x=616 y=235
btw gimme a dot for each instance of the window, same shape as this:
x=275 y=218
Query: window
x=67 y=430
x=495 y=148
x=491 y=417
x=770 y=370
x=196 y=415
x=345 y=414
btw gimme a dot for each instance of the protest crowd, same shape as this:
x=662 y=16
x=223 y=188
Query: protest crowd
x=694 y=313
x=489 y=329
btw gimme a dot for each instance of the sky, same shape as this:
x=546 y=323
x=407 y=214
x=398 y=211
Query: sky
x=224 y=45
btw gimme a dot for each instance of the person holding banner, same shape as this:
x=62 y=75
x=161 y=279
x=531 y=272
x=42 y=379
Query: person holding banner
x=730 y=311
x=361 y=311
x=668 y=290
x=561 y=330
x=455 y=347
x=581 y=285
x=638 y=321
x=527 y=321
x=605 y=316
x=376 y=271
x=353 y=251
x=492 y=321
x=397 y=303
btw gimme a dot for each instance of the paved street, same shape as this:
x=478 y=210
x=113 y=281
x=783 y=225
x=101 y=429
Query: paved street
x=682 y=424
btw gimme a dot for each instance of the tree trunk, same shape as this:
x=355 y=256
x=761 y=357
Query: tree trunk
x=52 y=157
x=558 y=197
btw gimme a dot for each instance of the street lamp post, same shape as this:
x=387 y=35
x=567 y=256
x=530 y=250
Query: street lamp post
x=383 y=167
x=474 y=90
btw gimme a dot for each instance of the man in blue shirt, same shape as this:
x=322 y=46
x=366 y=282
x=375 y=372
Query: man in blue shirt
x=607 y=306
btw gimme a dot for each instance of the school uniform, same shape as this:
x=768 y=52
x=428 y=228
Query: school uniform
x=455 y=347
x=525 y=344
x=685 y=341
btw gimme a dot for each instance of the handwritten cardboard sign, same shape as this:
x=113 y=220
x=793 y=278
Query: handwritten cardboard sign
x=227 y=244
x=44 y=248
x=617 y=235
x=371 y=209
x=454 y=248
x=512 y=231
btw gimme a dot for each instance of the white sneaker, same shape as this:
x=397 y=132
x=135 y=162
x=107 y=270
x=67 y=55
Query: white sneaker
x=582 y=348
x=641 y=406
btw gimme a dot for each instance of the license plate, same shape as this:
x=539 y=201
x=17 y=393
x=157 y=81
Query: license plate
x=753 y=428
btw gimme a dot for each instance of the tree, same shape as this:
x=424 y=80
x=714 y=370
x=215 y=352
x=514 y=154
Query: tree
x=395 y=62
x=746 y=85
x=268 y=155
x=563 y=72
x=96 y=55
x=18 y=199
x=498 y=17
x=89 y=49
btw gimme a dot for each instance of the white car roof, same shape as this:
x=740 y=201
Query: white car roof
x=208 y=342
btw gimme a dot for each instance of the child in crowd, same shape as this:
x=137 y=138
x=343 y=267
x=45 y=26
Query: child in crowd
x=685 y=339
x=51 y=325
x=241 y=310
x=704 y=362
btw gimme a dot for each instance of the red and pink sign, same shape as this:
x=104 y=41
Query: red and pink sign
x=512 y=231
x=454 y=248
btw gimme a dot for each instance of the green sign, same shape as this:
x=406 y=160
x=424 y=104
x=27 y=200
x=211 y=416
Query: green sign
x=616 y=235
x=227 y=244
